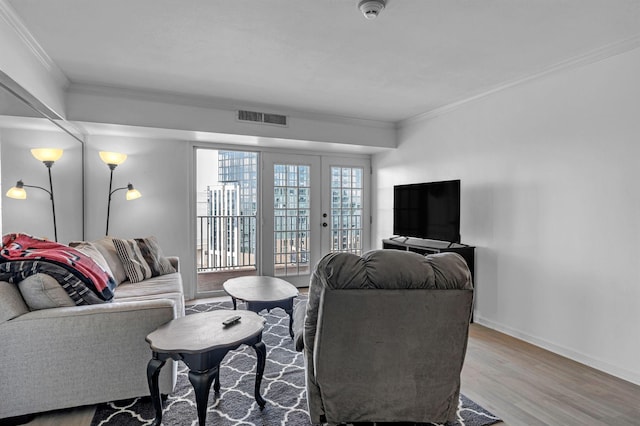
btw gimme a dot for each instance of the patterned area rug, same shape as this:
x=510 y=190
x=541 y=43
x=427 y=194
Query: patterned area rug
x=283 y=387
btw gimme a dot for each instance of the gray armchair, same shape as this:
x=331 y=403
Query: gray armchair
x=384 y=336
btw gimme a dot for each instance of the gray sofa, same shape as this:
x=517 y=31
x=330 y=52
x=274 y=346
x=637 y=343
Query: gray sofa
x=67 y=356
x=384 y=336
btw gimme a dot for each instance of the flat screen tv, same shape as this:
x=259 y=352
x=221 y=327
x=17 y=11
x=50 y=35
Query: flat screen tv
x=427 y=210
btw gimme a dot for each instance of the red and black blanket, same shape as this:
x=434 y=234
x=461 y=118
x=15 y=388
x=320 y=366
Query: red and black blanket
x=81 y=277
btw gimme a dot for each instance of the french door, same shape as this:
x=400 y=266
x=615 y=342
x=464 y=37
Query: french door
x=290 y=216
x=276 y=214
x=312 y=205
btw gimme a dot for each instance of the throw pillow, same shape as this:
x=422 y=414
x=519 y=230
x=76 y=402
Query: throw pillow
x=92 y=251
x=42 y=291
x=108 y=250
x=142 y=258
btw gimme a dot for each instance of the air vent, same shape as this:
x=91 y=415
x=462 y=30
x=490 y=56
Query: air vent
x=261 y=117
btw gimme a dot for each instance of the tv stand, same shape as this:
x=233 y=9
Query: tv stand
x=397 y=238
x=425 y=247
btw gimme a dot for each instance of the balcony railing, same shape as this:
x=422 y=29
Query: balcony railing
x=226 y=243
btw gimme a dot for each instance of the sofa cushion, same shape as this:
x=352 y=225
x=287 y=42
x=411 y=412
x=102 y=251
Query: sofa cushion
x=142 y=258
x=168 y=283
x=11 y=302
x=42 y=291
x=167 y=286
x=108 y=250
x=92 y=251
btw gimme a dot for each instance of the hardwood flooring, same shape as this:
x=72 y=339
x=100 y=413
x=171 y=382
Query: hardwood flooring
x=519 y=382
x=526 y=385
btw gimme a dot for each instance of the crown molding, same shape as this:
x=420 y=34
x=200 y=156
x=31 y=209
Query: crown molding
x=223 y=104
x=593 y=56
x=9 y=15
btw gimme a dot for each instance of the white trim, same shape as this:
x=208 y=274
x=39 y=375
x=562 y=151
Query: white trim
x=11 y=17
x=8 y=13
x=190 y=292
x=593 y=56
x=580 y=357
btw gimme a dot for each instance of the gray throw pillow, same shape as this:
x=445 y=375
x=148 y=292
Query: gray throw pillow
x=42 y=291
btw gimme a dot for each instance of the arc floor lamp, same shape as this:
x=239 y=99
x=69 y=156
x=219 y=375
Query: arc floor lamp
x=113 y=160
x=48 y=156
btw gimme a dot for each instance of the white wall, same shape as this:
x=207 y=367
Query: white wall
x=159 y=169
x=551 y=197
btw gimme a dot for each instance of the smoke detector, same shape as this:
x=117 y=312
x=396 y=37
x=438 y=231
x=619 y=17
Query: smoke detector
x=371 y=8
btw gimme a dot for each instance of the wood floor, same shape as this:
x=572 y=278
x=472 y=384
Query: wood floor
x=520 y=383
x=527 y=385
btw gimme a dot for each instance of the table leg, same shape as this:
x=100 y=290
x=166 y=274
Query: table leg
x=153 y=371
x=233 y=299
x=288 y=308
x=261 y=353
x=201 y=382
x=216 y=380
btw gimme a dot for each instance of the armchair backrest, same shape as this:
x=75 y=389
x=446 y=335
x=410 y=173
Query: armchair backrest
x=385 y=336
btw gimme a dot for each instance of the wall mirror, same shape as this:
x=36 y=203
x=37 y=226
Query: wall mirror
x=25 y=123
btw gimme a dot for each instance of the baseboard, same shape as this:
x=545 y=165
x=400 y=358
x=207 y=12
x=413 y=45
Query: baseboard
x=621 y=373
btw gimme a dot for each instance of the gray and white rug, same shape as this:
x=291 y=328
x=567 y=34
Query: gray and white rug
x=283 y=387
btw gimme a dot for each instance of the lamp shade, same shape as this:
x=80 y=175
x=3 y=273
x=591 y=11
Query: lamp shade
x=132 y=193
x=47 y=154
x=112 y=158
x=17 y=192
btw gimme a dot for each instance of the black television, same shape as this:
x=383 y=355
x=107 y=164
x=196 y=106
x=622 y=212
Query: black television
x=428 y=210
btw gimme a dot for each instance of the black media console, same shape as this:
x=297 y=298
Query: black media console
x=420 y=246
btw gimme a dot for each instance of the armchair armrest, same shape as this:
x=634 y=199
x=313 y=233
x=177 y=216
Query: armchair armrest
x=299 y=312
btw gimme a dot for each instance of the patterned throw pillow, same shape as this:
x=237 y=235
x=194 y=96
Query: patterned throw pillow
x=142 y=258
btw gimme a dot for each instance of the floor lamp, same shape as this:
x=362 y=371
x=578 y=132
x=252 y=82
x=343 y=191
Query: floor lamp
x=48 y=156
x=113 y=159
x=132 y=194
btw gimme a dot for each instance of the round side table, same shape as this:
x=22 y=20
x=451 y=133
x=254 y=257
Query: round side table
x=262 y=292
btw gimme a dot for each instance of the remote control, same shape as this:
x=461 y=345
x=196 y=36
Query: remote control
x=231 y=320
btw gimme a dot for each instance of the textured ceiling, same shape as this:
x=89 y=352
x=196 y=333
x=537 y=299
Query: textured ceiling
x=322 y=56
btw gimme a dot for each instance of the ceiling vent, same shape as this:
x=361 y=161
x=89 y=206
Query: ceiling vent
x=262 y=117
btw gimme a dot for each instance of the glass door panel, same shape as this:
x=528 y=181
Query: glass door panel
x=346 y=193
x=292 y=224
x=292 y=213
